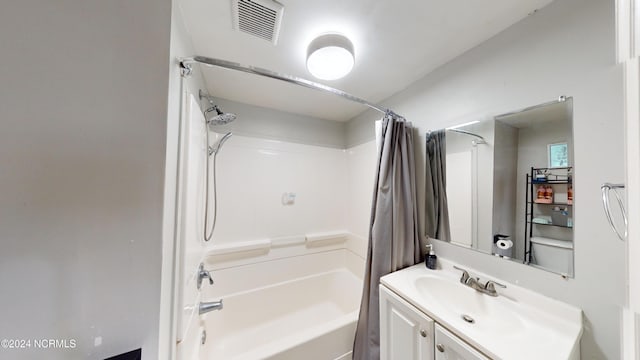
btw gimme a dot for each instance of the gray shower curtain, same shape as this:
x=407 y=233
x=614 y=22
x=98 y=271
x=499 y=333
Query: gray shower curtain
x=436 y=208
x=394 y=241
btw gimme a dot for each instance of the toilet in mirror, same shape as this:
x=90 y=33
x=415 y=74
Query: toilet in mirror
x=509 y=186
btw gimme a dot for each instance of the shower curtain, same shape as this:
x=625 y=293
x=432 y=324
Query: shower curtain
x=436 y=208
x=394 y=241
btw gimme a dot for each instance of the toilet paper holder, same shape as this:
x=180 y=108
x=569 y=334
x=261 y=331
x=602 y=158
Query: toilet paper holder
x=502 y=246
x=499 y=237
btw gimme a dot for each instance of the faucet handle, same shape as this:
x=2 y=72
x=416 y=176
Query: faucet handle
x=490 y=285
x=465 y=274
x=203 y=274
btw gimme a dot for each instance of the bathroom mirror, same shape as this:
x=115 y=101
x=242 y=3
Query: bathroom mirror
x=509 y=186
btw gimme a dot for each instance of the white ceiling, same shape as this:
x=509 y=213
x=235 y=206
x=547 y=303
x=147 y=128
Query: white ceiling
x=396 y=43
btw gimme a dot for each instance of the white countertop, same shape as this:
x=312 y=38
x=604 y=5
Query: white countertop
x=517 y=324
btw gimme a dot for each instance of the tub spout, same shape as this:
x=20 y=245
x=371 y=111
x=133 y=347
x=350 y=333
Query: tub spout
x=205 y=307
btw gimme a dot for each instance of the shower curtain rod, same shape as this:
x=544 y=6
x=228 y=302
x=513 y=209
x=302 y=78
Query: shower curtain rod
x=186 y=66
x=482 y=140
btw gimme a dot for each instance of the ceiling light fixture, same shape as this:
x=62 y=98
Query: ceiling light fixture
x=330 y=56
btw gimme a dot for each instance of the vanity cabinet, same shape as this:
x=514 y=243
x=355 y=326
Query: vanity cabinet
x=451 y=347
x=407 y=333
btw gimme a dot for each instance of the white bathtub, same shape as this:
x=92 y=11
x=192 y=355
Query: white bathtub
x=309 y=316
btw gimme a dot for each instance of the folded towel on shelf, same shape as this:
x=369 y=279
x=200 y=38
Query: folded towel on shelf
x=546 y=220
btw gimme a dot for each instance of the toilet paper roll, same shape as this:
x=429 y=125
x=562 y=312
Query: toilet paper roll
x=503 y=248
x=504 y=244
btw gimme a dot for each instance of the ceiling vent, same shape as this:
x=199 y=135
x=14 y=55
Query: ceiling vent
x=259 y=18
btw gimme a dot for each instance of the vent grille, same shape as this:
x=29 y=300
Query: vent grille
x=259 y=18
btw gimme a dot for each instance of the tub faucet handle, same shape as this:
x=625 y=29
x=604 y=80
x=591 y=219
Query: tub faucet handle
x=203 y=274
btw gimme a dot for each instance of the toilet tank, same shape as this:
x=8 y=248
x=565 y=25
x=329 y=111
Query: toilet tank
x=552 y=254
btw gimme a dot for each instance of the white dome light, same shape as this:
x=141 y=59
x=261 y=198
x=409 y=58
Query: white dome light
x=330 y=57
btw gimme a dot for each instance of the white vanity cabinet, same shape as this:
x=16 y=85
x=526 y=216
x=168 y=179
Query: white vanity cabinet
x=451 y=347
x=405 y=332
x=429 y=314
x=408 y=334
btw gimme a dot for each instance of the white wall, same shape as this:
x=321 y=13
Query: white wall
x=333 y=191
x=83 y=104
x=272 y=152
x=252 y=176
x=361 y=175
x=566 y=48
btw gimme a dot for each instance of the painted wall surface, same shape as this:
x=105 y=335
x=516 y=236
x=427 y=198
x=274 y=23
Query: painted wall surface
x=83 y=110
x=566 y=48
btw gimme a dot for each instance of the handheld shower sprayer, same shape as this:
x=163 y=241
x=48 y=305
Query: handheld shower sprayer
x=213 y=150
x=218 y=144
x=213 y=117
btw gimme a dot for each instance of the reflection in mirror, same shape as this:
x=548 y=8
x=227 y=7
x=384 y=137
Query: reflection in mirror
x=468 y=173
x=512 y=195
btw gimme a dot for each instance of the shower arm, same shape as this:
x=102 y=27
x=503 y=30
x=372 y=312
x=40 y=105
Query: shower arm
x=187 y=69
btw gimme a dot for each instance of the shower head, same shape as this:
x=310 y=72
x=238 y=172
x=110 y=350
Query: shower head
x=218 y=145
x=213 y=114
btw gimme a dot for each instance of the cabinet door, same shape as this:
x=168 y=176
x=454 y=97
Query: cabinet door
x=451 y=347
x=405 y=332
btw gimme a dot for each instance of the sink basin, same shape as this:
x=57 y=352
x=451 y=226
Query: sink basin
x=486 y=312
x=501 y=326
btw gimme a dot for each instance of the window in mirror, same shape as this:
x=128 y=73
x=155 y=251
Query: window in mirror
x=558 y=155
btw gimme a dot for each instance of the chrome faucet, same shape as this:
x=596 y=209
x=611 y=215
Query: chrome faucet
x=205 y=307
x=474 y=283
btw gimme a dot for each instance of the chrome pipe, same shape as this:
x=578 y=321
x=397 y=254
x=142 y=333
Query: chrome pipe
x=186 y=62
